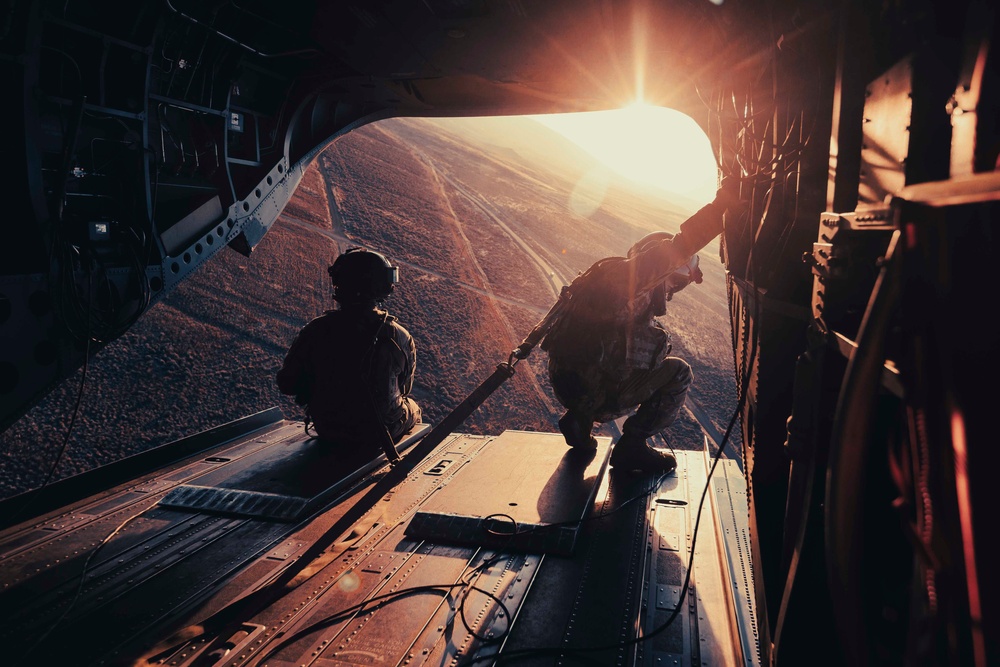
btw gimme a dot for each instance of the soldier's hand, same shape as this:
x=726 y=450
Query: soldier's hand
x=522 y=351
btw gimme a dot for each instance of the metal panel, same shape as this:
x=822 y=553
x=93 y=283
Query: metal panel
x=181 y=234
x=279 y=483
x=845 y=254
x=65 y=492
x=888 y=106
x=626 y=581
x=520 y=502
x=235 y=502
x=729 y=499
x=703 y=629
x=493 y=532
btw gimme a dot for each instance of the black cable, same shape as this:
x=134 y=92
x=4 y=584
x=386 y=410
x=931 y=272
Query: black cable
x=79 y=587
x=464 y=593
x=296 y=52
x=465 y=584
x=308 y=427
x=65 y=443
x=563 y=651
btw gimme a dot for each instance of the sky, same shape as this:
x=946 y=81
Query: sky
x=648 y=144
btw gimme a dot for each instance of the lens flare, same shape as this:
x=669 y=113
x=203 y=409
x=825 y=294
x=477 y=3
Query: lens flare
x=589 y=192
x=349 y=582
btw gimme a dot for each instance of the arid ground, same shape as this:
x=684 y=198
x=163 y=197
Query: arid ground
x=486 y=218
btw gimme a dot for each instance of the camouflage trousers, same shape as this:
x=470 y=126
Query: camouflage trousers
x=601 y=395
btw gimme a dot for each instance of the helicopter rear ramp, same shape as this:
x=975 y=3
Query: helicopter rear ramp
x=556 y=559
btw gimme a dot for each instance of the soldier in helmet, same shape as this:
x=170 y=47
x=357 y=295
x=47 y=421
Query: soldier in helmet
x=352 y=368
x=609 y=356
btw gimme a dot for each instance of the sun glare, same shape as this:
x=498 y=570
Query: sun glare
x=651 y=145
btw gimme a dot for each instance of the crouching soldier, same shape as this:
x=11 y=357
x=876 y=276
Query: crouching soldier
x=609 y=356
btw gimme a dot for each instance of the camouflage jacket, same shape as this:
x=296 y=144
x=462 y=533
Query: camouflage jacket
x=607 y=321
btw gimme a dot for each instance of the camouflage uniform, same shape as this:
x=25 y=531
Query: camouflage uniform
x=608 y=353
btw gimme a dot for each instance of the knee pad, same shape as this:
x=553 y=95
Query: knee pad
x=683 y=373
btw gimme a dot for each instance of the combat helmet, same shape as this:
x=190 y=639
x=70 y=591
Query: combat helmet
x=686 y=274
x=361 y=276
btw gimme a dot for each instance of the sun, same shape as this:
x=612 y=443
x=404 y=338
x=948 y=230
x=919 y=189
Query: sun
x=651 y=145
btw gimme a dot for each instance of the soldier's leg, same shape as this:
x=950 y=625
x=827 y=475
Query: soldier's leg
x=580 y=392
x=412 y=415
x=577 y=429
x=660 y=393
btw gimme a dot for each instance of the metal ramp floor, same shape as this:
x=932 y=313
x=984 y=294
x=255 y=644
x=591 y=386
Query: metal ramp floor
x=572 y=560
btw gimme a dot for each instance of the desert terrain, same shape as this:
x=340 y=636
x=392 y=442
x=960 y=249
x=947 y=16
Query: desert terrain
x=486 y=218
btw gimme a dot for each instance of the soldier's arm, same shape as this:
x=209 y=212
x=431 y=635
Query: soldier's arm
x=292 y=373
x=661 y=259
x=409 y=348
x=536 y=335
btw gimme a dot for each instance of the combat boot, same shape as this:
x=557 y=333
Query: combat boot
x=576 y=429
x=632 y=453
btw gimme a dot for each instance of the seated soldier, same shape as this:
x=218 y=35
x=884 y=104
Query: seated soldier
x=352 y=368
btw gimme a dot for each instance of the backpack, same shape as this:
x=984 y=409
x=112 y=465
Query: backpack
x=593 y=326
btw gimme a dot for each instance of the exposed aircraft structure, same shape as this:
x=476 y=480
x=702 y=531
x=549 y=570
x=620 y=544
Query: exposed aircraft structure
x=145 y=137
